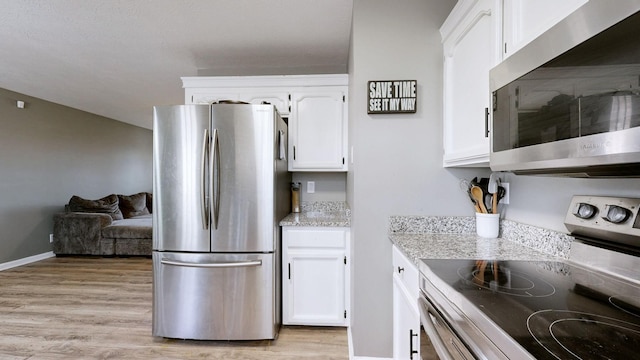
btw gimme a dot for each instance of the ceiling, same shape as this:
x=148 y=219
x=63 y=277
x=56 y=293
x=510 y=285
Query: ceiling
x=119 y=58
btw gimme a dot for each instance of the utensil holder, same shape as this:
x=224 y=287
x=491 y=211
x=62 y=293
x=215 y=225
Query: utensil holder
x=295 y=197
x=488 y=225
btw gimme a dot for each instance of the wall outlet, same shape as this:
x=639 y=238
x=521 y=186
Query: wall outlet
x=50 y=238
x=505 y=198
x=311 y=187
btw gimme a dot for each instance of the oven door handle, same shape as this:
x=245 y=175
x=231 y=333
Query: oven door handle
x=438 y=343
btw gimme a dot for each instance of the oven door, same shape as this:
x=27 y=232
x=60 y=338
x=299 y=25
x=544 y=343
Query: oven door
x=436 y=333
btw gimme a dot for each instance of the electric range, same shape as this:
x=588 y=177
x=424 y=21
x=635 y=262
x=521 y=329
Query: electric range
x=584 y=307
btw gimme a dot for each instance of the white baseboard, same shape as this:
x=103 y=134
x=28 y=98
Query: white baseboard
x=353 y=357
x=27 y=260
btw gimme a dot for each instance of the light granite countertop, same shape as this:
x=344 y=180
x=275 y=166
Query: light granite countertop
x=323 y=213
x=447 y=237
x=463 y=246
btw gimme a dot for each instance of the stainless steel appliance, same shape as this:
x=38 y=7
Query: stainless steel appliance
x=587 y=307
x=568 y=103
x=220 y=187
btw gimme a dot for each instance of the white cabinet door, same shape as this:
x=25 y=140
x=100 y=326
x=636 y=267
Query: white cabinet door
x=406 y=324
x=274 y=97
x=406 y=316
x=471 y=38
x=318 y=130
x=524 y=20
x=208 y=97
x=315 y=276
x=316 y=287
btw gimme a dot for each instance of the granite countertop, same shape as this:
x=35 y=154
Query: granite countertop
x=463 y=246
x=323 y=213
x=431 y=237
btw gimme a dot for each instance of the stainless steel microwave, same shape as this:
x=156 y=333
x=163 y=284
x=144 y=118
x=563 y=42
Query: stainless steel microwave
x=568 y=103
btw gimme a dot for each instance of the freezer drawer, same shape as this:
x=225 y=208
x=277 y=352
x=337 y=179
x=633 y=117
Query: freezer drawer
x=215 y=296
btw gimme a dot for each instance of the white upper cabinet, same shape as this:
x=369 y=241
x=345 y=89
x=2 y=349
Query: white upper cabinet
x=315 y=105
x=476 y=36
x=471 y=38
x=273 y=96
x=524 y=20
x=209 y=97
x=317 y=130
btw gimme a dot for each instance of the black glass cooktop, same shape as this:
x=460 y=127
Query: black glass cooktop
x=552 y=309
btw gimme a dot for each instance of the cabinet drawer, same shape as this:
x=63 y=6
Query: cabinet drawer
x=315 y=238
x=406 y=271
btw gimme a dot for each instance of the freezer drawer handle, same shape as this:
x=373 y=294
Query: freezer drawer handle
x=212 y=265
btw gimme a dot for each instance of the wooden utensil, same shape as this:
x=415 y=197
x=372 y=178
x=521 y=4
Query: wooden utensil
x=478 y=196
x=466 y=187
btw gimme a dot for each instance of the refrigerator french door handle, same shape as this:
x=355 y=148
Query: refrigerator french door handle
x=216 y=179
x=250 y=263
x=281 y=146
x=204 y=208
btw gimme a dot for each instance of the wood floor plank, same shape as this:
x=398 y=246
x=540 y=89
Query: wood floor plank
x=100 y=308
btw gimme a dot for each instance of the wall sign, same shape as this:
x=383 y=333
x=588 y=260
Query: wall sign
x=392 y=96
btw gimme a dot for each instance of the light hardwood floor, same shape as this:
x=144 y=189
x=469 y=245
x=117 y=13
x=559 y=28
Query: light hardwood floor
x=100 y=308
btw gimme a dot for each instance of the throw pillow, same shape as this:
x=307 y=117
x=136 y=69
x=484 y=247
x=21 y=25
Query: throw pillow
x=150 y=202
x=106 y=205
x=133 y=205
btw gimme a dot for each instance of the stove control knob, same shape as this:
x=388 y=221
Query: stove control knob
x=616 y=214
x=585 y=211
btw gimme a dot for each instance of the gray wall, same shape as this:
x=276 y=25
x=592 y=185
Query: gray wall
x=397 y=162
x=50 y=152
x=329 y=186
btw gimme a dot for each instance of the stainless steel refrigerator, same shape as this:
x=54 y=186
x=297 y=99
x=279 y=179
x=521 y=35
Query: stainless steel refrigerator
x=220 y=187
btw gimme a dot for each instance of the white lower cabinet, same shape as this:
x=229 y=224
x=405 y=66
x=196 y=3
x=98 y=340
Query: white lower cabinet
x=315 y=276
x=406 y=316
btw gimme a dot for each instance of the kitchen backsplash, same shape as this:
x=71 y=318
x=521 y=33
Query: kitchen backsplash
x=432 y=224
x=325 y=206
x=547 y=241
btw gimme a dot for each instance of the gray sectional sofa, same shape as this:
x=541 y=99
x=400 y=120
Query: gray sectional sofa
x=116 y=225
